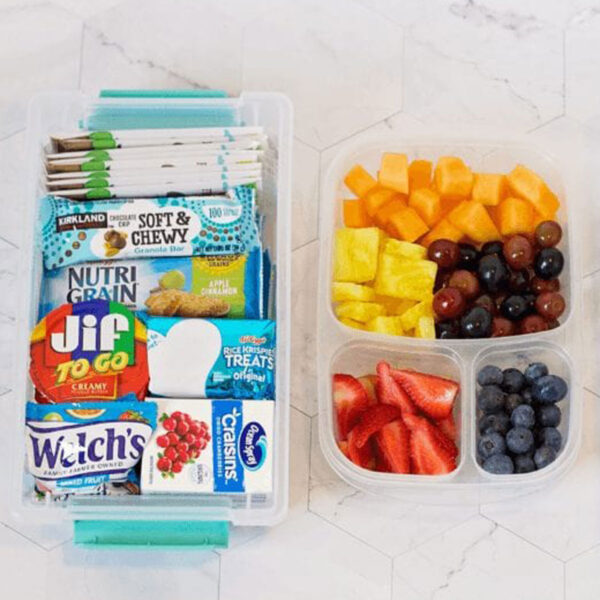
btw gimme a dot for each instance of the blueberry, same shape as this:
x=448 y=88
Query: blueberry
x=492 y=272
x=524 y=463
x=550 y=436
x=514 y=307
x=492 y=248
x=489 y=375
x=549 y=389
x=468 y=257
x=490 y=444
x=447 y=330
x=513 y=381
x=543 y=456
x=548 y=263
x=548 y=415
x=523 y=416
x=476 y=323
x=499 y=464
x=519 y=440
x=526 y=395
x=490 y=399
x=494 y=423
x=512 y=401
x=535 y=371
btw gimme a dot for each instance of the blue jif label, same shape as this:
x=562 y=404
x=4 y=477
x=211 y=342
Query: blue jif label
x=227 y=418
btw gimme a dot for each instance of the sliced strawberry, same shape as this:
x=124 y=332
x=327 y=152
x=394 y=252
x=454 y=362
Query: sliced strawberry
x=431 y=452
x=389 y=392
x=433 y=395
x=343 y=446
x=349 y=400
x=372 y=420
x=368 y=382
x=448 y=427
x=392 y=441
x=363 y=457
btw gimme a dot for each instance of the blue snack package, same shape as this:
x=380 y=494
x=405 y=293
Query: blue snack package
x=79 y=448
x=210 y=358
x=74 y=232
x=233 y=281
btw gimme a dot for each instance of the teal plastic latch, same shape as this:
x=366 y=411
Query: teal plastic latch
x=160 y=535
x=163 y=94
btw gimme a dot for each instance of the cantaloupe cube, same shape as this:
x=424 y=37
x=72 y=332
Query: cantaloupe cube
x=389 y=325
x=355 y=255
x=359 y=311
x=352 y=323
x=515 y=215
x=444 y=230
x=427 y=203
x=488 y=188
x=411 y=317
x=419 y=174
x=453 y=177
x=407 y=224
x=395 y=306
x=404 y=249
x=377 y=198
x=449 y=203
x=400 y=277
x=528 y=185
x=474 y=221
x=425 y=328
x=393 y=172
x=355 y=214
x=359 y=181
x=383 y=215
x=343 y=290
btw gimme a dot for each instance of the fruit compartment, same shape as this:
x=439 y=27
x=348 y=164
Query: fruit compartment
x=520 y=356
x=480 y=156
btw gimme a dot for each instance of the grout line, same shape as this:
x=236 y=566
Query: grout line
x=2 y=238
x=305 y=244
x=301 y=411
x=591 y=273
x=596 y=394
x=580 y=554
x=310 y=453
x=8 y=136
x=19 y=533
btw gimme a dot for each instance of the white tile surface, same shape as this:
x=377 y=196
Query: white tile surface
x=581 y=577
x=305 y=194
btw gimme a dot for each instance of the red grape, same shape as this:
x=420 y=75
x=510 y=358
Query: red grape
x=466 y=282
x=448 y=303
x=502 y=327
x=444 y=253
x=539 y=285
x=518 y=252
x=548 y=234
x=550 y=305
x=533 y=324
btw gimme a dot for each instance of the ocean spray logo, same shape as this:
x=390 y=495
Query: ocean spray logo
x=253 y=446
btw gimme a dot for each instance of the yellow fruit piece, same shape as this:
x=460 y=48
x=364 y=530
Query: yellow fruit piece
x=352 y=323
x=427 y=204
x=474 y=221
x=400 y=277
x=419 y=174
x=377 y=198
x=389 y=325
x=356 y=252
x=359 y=181
x=444 y=230
x=425 y=328
x=411 y=317
x=453 y=177
x=407 y=224
x=515 y=215
x=528 y=185
x=355 y=214
x=359 y=311
x=488 y=188
x=395 y=306
x=342 y=291
x=393 y=172
x=405 y=249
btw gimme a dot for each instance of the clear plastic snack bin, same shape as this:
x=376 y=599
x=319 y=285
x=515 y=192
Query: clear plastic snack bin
x=160 y=520
x=342 y=349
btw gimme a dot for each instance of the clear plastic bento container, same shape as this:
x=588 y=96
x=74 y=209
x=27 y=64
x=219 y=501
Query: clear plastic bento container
x=342 y=349
x=106 y=520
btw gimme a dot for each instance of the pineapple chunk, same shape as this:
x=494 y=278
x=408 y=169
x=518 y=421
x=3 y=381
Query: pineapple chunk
x=359 y=311
x=356 y=252
x=410 y=318
x=389 y=325
x=394 y=172
x=352 y=323
x=402 y=278
x=342 y=291
x=405 y=249
x=395 y=306
x=425 y=328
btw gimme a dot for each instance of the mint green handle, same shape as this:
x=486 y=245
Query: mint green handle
x=163 y=94
x=193 y=535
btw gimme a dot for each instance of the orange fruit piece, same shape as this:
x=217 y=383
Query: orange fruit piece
x=393 y=172
x=515 y=215
x=474 y=221
x=383 y=215
x=419 y=174
x=488 y=188
x=355 y=214
x=453 y=177
x=376 y=199
x=359 y=181
x=444 y=230
x=427 y=203
x=407 y=224
x=528 y=185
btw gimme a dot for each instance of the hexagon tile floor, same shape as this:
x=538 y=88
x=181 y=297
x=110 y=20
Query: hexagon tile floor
x=349 y=66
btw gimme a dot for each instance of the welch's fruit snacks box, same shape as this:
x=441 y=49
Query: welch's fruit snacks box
x=210 y=446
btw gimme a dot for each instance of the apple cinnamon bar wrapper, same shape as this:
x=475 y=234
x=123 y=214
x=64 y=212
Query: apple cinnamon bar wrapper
x=78 y=448
x=75 y=232
x=229 y=285
x=211 y=358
